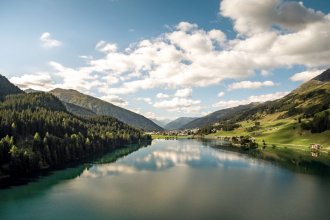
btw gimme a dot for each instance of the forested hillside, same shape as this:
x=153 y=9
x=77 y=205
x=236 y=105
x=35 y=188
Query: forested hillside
x=304 y=111
x=77 y=110
x=37 y=132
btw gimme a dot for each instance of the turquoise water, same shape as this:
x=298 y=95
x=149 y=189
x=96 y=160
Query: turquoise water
x=172 y=179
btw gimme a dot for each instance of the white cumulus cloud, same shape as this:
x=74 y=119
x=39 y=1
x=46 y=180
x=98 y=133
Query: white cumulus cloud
x=49 y=42
x=105 y=47
x=150 y=115
x=179 y=105
x=183 y=93
x=37 y=81
x=250 y=85
x=251 y=99
x=162 y=96
x=271 y=34
x=254 y=16
x=116 y=100
x=306 y=75
x=146 y=100
x=220 y=94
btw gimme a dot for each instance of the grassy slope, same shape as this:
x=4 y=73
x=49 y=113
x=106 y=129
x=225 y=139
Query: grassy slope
x=291 y=144
x=282 y=133
x=276 y=131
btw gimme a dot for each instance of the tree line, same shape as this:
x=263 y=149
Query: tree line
x=318 y=123
x=36 y=132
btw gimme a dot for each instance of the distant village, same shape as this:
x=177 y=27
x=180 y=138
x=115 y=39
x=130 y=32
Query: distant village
x=186 y=132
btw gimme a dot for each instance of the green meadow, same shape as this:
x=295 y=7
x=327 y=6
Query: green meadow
x=284 y=139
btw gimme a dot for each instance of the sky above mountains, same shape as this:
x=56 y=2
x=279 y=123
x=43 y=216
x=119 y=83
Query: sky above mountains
x=166 y=59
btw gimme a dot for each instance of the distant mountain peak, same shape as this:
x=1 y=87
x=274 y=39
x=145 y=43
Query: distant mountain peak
x=223 y=114
x=179 y=123
x=7 y=88
x=323 y=77
x=31 y=91
x=72 y=91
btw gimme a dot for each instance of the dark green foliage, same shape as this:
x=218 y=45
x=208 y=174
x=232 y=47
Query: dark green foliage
x=245 y=142
x=306 y=125
x=224 y=126
x=320 y=122
x=256 y=127
x=206 y=130
x=37 y=132
x=264 y=145
x=227 y=126
x=32 y=101
x=316 y=108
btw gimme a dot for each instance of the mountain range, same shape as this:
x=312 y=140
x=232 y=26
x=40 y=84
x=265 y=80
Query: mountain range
x=85 y=105
x=217 y=116
x=178 y=123
x=307 y=100
x=310 y=98
x=38 y=132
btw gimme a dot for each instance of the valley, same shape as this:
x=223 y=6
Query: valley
x=199 y=110
x=282 y=129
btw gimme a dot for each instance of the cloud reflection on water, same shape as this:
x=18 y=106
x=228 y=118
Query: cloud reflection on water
x=160 y=156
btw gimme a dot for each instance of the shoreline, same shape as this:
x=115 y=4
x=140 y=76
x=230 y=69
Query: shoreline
x=7 y=181
x=297 y=160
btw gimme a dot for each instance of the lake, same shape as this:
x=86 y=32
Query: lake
x=172 y=179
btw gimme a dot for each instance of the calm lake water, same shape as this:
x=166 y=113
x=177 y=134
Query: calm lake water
x=172 y=179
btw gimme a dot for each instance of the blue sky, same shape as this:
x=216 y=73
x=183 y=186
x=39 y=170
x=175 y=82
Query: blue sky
x=165 y=59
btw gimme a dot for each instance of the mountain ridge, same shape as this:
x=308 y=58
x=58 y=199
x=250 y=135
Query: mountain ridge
x=101 y=107
x=324 y=76
x=178 y=123
x=216 y=116
x=7 y=88
x=309 y=98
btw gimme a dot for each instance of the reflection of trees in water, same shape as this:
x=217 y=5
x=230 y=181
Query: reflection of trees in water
x=285 y=159
x=29 y=186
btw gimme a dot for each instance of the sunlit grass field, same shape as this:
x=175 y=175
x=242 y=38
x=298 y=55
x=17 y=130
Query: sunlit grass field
x=285 y=139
